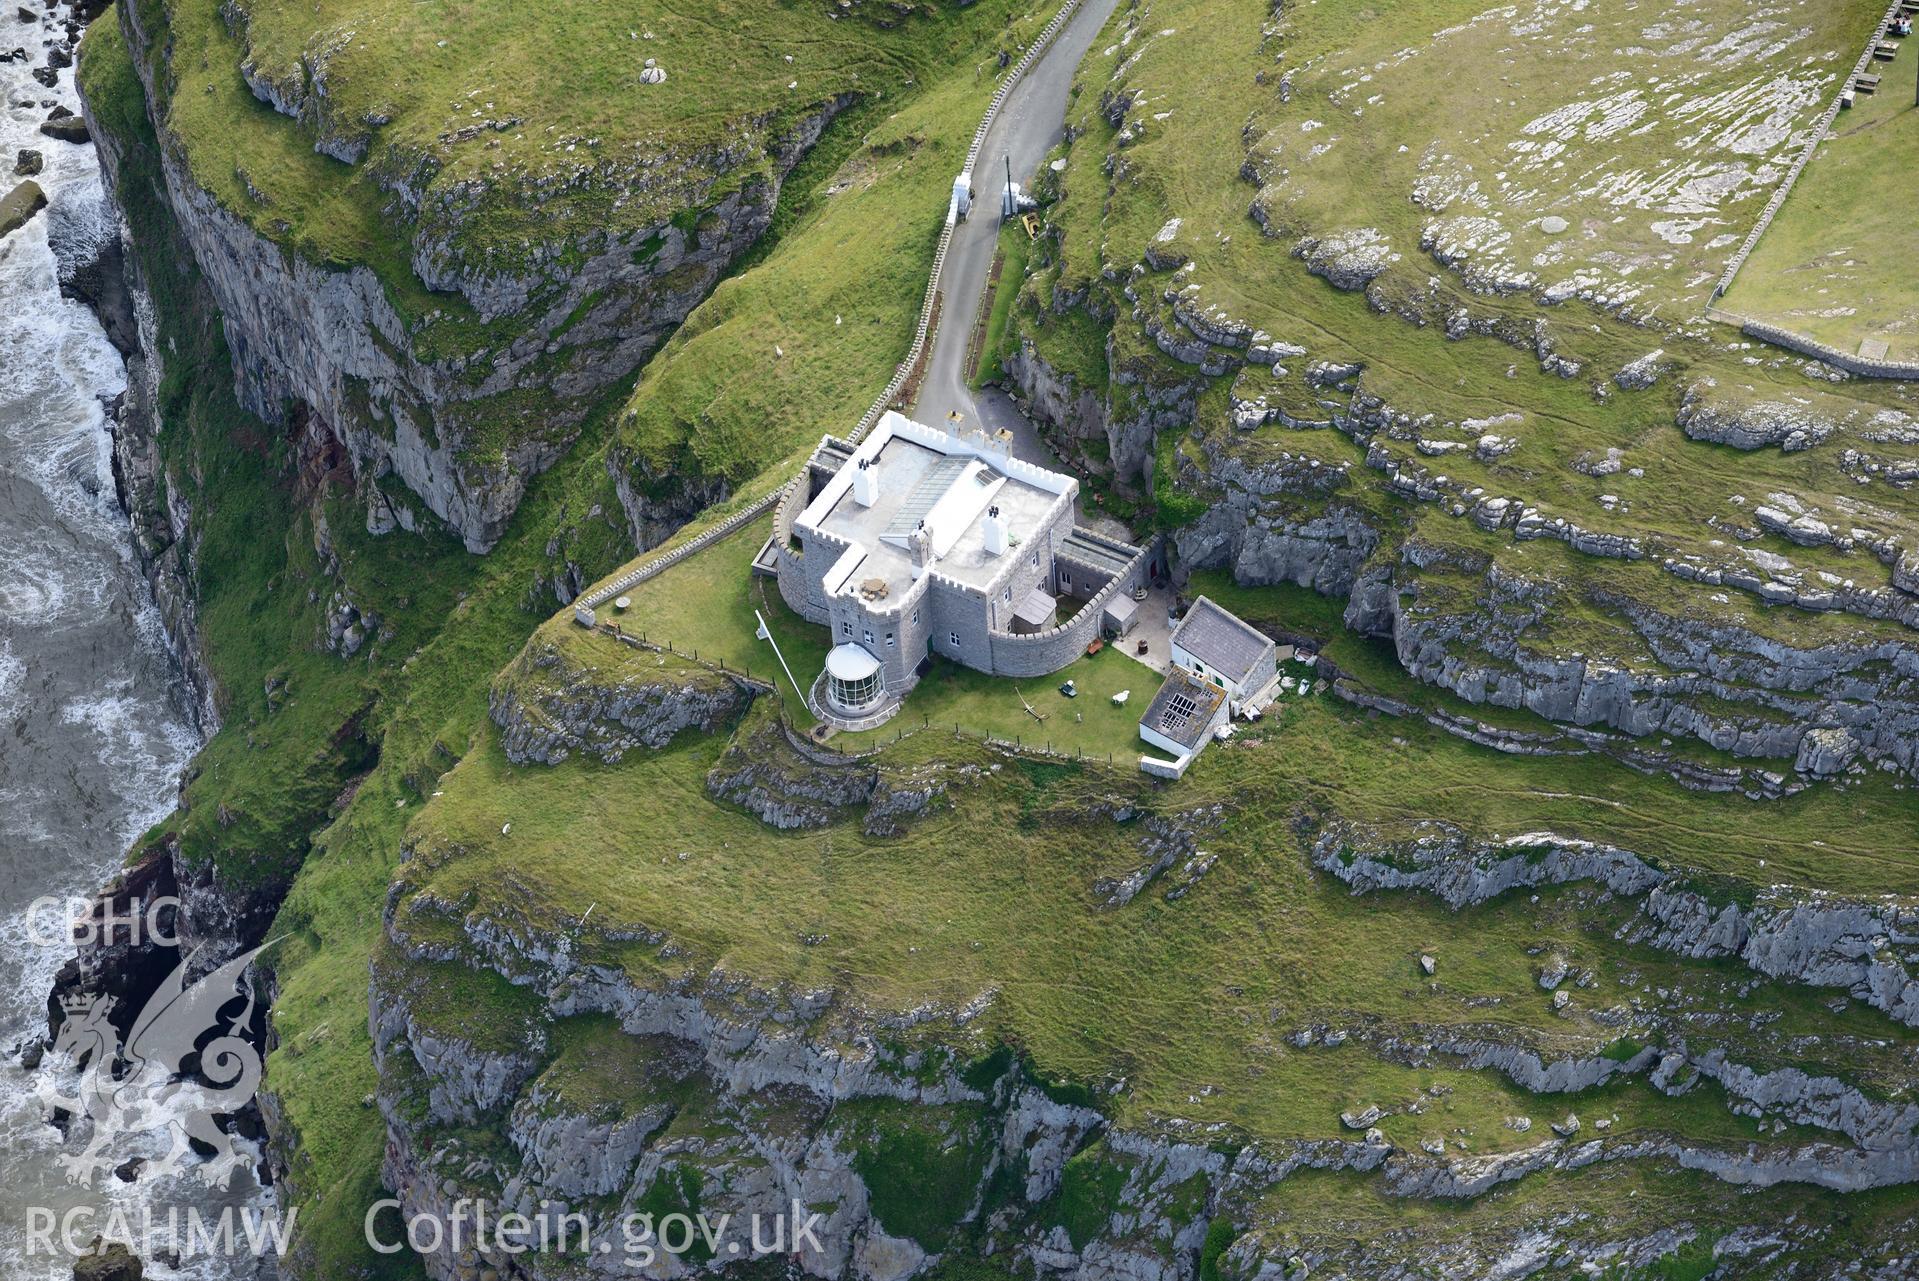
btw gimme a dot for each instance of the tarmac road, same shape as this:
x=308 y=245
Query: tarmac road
x=1029 y=124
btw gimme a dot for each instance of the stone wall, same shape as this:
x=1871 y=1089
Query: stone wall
x=1040 y=653
x=1814 y=137
x=1852 y=363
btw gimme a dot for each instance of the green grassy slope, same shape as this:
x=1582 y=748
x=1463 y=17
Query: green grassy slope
x=799 y=346
x=1160 y=215
x=1833 y=264
x=322 y=761
x=1189 y=999
x=487 y=110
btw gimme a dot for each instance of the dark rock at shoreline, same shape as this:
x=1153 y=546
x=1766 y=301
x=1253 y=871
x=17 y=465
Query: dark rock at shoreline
x=68 y=129
x=101 y=283
x=111 y=1263
x=19 y=206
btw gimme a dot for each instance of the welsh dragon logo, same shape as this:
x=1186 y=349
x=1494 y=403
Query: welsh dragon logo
x=141 y=1085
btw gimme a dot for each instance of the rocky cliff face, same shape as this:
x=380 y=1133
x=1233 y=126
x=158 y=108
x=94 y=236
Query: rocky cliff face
x=604 y=1075
x=1472 y=467
x=787 y=783
x=1831 y=703
x=1113 y=434
x=463 y=421
x=1831 y=698
x=1862 y=946
x=107 y=278
x=719 y=1111
x=719 y=1098
x=550 y=704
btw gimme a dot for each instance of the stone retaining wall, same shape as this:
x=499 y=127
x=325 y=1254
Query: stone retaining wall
x=1852 y=363
x=1818 y=136
x=1159 y=767
x=1042 y=653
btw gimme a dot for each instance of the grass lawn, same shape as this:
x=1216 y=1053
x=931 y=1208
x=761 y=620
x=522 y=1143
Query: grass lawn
x=1193 y=998
x=705 y=606
x=1836 y=264
x=1090 y=725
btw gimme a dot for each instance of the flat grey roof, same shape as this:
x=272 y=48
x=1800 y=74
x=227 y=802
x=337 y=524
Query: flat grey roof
x=1220 y=639
x=1082 y=547
x=903 y=467
x=1183 y=709
x=1036 y=608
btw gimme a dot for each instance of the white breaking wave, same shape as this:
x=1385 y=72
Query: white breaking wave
x=13 y=676
x=91 y=738
x=145 y=754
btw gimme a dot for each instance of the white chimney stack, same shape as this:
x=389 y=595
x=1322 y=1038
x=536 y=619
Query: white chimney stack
x=866 y=483
x=994 y=532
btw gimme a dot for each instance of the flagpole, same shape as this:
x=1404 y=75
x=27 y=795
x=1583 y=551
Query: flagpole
x=766 y=634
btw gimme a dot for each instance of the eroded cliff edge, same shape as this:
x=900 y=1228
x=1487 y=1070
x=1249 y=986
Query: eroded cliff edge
x=466 y=366
x=875 y=1029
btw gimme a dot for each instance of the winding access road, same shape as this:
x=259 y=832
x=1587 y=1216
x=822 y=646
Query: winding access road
x=1029 y=124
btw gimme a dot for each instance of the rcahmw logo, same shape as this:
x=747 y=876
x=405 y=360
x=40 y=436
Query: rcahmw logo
x=140 y=1084
x=189 y=1234
x=56 y=922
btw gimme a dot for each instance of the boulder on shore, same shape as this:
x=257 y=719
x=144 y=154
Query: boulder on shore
x=67 y=129
x=29 y=163
x=109 y=1263
x=18 y=206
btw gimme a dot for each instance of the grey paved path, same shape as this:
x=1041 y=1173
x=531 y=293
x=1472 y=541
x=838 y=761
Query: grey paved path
x=1027 y=127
